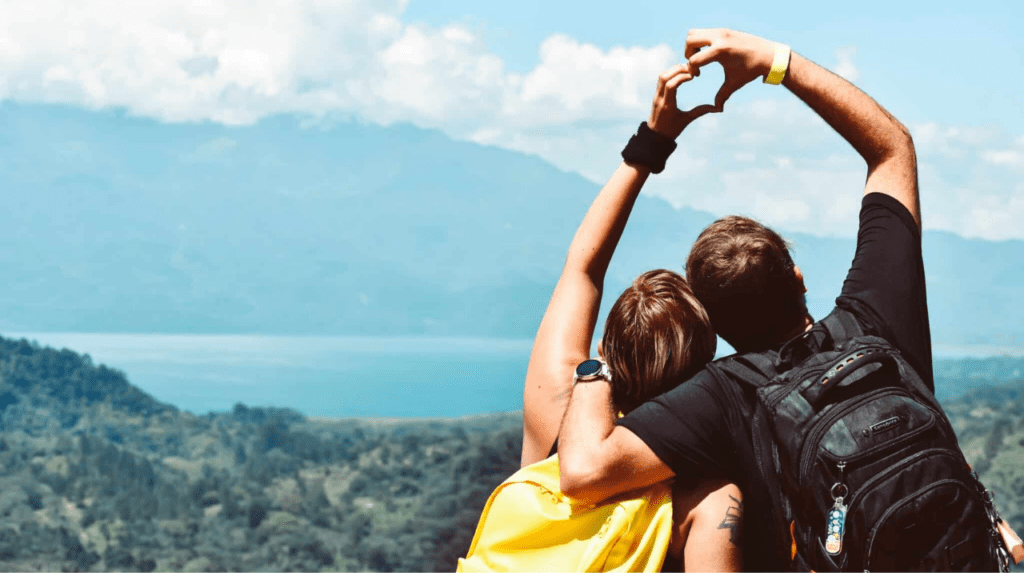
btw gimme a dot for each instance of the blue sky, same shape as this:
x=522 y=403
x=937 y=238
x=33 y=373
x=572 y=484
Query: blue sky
x=980 y=43
x=566 y=81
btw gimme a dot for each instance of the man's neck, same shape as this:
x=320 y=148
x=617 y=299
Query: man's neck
x=807 y=324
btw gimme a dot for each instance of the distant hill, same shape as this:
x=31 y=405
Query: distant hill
x=120 y=224
x=65 y=384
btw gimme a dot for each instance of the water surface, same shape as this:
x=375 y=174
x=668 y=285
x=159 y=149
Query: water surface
x=339 y=376
x=318 y=375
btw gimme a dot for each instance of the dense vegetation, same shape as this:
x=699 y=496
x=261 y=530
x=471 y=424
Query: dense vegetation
x=96 y=475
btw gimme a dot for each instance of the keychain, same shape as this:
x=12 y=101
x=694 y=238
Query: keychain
x=836 y=522
x=836 y=519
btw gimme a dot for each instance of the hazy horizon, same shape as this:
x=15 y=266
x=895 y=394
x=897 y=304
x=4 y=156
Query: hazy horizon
x=341 y=376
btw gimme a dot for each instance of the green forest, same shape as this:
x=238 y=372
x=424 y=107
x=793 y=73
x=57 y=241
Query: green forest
x=96 y=475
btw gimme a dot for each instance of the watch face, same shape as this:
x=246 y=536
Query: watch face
x=588 y=368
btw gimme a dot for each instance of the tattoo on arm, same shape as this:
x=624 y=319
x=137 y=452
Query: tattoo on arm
x=733 y=522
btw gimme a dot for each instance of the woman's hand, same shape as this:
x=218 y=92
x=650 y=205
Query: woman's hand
x=666 y=118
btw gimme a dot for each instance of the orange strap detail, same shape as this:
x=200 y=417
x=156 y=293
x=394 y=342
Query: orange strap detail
x=1012 y=541
x=793 y=538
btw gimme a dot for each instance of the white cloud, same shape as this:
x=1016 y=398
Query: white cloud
x=192 y=61
x=998 y=217
x=776 y=160
x=800 y=198
x=213 y=60
x=434 y=78
x=212 y=151
x=951 y=142
x=773 y=159
x=1012 y=158
x=844 y=66
x=970 y=182
x=581 y=80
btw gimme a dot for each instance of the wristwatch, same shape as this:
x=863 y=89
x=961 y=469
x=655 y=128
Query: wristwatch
x=590 y=370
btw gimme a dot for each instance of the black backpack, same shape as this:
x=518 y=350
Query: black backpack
x=862 y=463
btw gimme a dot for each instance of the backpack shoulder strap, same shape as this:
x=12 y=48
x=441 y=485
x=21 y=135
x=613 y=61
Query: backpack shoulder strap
x=825 y=335
x=752 y=368
x=841 y=325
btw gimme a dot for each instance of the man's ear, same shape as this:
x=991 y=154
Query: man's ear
x=799 y=277
x=600 y=352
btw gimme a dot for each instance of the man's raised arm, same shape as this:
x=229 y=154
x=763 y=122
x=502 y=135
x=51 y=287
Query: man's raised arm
x=883 y=142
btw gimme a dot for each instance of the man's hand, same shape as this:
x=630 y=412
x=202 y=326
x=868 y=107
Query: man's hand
x=743 y=56
x=666 y=118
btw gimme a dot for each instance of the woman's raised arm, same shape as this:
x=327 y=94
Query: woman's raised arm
x=563 y=339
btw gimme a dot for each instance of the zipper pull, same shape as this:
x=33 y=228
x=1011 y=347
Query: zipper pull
x=836 y=520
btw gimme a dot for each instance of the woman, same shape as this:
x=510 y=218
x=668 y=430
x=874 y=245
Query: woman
x=656 y=335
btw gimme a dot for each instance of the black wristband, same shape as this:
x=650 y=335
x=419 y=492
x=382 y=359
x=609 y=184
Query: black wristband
x=649 y=149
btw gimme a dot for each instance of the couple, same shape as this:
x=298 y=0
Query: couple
x=686 y=416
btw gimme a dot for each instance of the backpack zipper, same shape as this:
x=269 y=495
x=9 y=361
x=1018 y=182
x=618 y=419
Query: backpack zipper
x=836 y=413
x=932 y=422
x=887 y=473
x=892 y=509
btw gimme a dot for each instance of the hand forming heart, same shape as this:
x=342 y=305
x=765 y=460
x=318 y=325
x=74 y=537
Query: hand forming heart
x=702 y=89
x=666 y=117
x=743 y=56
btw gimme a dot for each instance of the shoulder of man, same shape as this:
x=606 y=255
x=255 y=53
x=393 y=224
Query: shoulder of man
x=756 y=368
x=734 y=379
x=753 y=368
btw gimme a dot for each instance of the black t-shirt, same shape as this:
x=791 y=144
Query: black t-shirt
x=701 y=428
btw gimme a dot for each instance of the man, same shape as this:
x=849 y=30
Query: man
x=743 y=274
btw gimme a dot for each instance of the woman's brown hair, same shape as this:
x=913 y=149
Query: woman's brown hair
x=657 y=335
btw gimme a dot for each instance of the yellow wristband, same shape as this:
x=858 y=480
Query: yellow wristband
x=779 y=65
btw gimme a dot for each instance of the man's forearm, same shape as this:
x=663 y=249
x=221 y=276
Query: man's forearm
x=883 y=142
x=598 y=459
x=867 y=126
x=589 y=421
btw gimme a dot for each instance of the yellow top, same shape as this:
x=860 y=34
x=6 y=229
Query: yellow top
x=528 y=525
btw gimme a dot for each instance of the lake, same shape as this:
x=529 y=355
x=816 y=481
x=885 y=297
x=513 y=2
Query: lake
x=335 y=376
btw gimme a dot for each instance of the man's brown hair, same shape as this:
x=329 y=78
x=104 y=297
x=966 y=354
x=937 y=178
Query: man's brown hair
x=657 y=335
x=744 y=275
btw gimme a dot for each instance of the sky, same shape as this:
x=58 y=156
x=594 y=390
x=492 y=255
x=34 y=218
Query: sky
x=567 y=82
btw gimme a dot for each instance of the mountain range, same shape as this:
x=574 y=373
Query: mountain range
x=120 y=224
